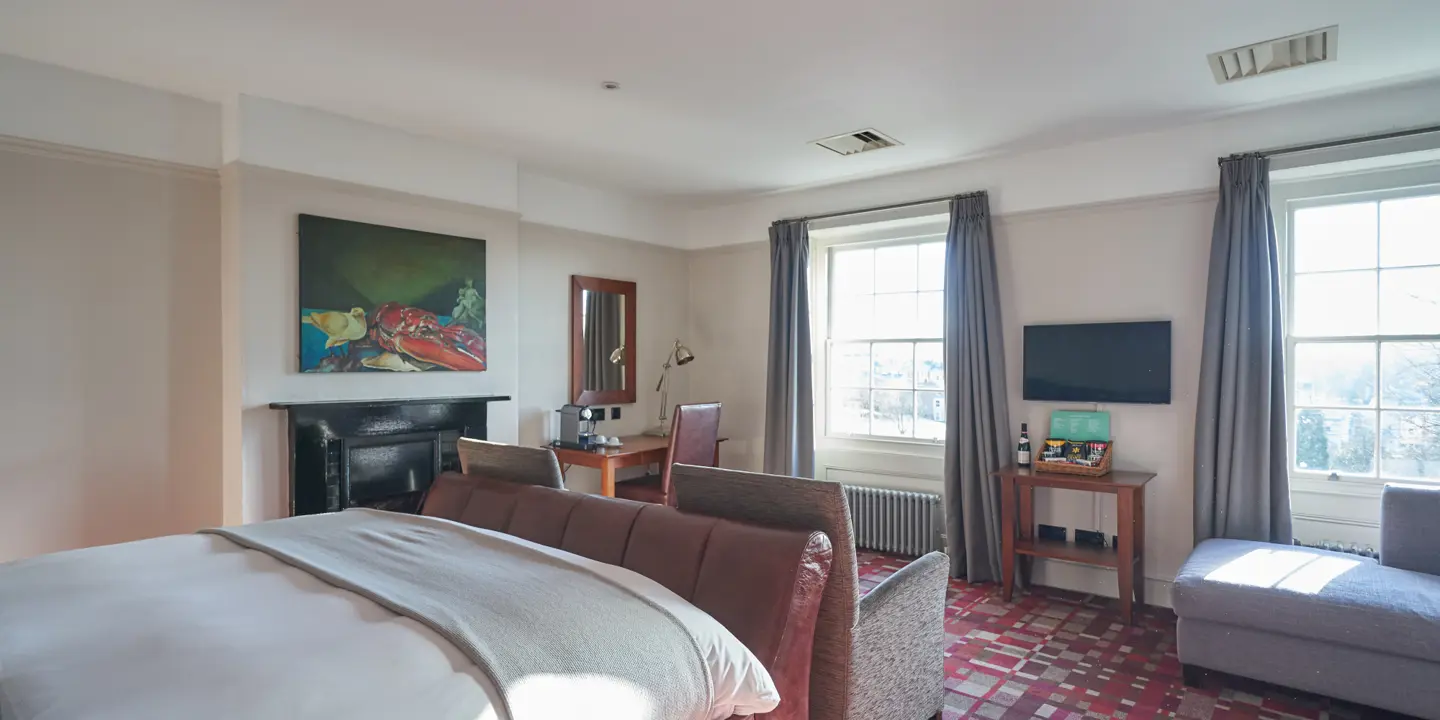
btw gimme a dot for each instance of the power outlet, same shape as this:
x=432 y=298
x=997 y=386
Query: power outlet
x=1051 y=532
x=1093 y=538
x=615 y=413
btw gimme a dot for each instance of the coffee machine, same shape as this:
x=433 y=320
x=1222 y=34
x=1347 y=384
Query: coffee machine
x=577 y=427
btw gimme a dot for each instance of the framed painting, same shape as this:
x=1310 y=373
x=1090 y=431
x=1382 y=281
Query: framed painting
x=383 y=299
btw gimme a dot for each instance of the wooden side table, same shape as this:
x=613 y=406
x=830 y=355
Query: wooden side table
x=1017 y=507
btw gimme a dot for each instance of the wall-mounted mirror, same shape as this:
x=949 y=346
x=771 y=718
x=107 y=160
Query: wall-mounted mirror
x=602 y=341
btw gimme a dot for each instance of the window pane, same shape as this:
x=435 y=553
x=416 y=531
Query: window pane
x=852 y=316
x=895 y=315
x=932 y=266
x=893 y=413
x=850 y=365
x=1410 y=231
x=1335 y=374
x=930 y=415
x=1410 y=445
x=1334 y=304
x=896 y=269
x=930 y=366
x=1335 y=237
x=1341 y=441
x=1410 y=301
x=1410 y=375
x=849 y=412
x=930 y=315
x=854 y=272
x=894 y=365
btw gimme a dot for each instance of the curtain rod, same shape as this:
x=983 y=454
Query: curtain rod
x=1293 y=149
x=881 y=208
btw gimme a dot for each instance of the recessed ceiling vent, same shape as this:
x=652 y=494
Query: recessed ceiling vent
x=857 y=142
x=1309 y=48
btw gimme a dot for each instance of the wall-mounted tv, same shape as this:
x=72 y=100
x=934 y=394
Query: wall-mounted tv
x=1098 y=362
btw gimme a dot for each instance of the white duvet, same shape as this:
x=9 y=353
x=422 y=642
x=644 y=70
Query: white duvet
x=196 y=627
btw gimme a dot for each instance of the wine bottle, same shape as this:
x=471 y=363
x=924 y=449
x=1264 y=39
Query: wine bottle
x=1022 y=452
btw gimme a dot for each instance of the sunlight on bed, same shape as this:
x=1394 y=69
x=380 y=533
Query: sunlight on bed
x=1294 y=570
x=596 y=697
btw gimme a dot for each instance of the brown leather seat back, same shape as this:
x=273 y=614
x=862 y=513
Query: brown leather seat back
x=542 y=517
x=763 y=584
x=599 y=528
x=668 y=547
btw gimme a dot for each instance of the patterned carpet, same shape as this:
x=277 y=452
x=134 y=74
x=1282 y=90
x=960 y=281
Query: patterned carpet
x=1064 y=656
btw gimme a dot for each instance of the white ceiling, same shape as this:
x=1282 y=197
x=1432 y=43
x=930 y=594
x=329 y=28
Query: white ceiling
x=720 y=98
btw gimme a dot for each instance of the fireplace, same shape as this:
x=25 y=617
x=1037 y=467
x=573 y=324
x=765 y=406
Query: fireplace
x=376 y=453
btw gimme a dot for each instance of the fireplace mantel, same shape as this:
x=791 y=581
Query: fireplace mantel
x=376 y=453
x=386 y=402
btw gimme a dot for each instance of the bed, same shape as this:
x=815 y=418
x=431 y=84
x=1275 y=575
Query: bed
x=501 y=601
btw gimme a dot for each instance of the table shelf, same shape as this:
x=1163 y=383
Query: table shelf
x=1062 y=550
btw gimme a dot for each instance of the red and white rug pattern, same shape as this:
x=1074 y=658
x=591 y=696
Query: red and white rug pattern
x=1060 y=655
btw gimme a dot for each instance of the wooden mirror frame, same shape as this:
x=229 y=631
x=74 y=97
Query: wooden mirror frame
x=578 y=394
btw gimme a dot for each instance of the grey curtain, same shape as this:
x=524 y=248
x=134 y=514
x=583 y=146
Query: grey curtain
x=1242 y=484
x=977 y=418
x=603 y=333
x=789 y=397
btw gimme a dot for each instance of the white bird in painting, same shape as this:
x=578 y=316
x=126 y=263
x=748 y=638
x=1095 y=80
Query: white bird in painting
x=339 y=327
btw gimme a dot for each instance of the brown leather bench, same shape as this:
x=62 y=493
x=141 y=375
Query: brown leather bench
x=763 y=584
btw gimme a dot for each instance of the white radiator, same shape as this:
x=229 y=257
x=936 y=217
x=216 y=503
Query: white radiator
x=895 y=521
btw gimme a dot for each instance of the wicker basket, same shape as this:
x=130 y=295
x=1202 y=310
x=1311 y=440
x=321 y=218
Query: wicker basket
x=1088 y=470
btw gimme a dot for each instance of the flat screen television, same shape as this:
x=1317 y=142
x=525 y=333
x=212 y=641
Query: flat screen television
x=1098 y=362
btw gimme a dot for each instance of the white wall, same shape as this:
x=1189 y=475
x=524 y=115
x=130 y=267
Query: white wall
x=110 y=375
x=270 y=202
x=729 y=332
x=283 y=136
x=548 y=257
x=52 y=104
x=1169 y=161
x=1137 y=260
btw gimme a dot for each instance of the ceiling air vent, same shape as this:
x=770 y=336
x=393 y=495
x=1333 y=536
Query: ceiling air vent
x=1316 y=46
x=857 y=142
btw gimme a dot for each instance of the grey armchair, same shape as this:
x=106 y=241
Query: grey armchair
x=880 y=657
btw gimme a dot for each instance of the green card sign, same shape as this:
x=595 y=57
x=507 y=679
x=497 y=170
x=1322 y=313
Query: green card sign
x=1078 y=425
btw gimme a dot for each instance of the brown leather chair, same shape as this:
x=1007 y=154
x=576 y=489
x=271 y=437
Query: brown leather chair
x=694 y=433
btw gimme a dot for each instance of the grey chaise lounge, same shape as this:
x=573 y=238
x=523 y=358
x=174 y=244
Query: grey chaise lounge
x=1330 y=623
x=880 y=657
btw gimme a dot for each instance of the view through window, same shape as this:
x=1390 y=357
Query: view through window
x=885 y=355
x=1364 y=336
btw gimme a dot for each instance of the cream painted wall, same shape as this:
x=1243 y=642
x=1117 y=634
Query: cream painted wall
x=1137 y=260
x=729 y=331
x=111 y=375
x=548 y=257
x=269 y=202
x=1134 y=260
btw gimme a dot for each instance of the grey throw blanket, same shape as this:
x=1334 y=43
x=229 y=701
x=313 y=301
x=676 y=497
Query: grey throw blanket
x=517 y=611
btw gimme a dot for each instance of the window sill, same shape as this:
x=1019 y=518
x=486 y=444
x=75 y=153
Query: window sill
x=880 y=445
x=1351 y=486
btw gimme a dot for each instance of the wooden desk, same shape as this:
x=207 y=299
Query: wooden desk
x=1017 y=498
x=635 y=450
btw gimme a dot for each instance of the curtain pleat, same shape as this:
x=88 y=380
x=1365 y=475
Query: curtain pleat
x=789 y=396
x=1242 y=484
x=977 y=418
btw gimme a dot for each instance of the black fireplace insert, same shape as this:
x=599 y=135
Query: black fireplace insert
x=376 y=453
